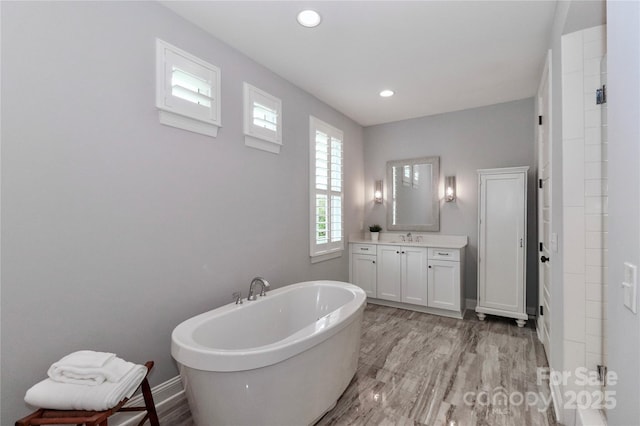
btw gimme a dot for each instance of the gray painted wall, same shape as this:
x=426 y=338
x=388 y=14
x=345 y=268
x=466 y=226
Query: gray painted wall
x=623 y=332
x=116 y=228
x=493 y=136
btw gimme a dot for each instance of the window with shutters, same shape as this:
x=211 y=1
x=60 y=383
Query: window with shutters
x=187 y=90
x=326 y=178
x=262 y=119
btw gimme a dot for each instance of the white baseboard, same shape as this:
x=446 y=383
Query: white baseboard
x=163 y=395
x=556 y=395
x=471 y=305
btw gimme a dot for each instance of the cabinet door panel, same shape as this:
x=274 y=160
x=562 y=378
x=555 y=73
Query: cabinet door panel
x=502 y=227
x=414 y=276
x=364 y=273
x=444 y=285
x=388 y=273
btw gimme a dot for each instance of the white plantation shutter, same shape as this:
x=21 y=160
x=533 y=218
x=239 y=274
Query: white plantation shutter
x=262 y=119
x=326 y=176
x=187 y=90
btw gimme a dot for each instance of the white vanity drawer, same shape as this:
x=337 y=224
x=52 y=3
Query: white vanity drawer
x=363 y=248
x=444 y=254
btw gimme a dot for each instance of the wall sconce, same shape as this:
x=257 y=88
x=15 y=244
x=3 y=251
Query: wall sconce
x=377 y=194
x=450 y=188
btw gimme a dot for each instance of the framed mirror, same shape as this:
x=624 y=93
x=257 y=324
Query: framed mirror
x=413 y=203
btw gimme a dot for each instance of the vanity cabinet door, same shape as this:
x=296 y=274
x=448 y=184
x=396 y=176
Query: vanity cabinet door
x=364 y=273
x=414 y=275
x=444 y=284
x=389 y=273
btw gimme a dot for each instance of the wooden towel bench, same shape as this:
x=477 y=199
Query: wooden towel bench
x=45 y=416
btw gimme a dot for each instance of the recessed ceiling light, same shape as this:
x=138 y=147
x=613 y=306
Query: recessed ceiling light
x=309 y=18
x=387 y=93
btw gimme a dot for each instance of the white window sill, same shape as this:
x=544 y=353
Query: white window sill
x=172 y=119
x=264 y=145
x=326 y=256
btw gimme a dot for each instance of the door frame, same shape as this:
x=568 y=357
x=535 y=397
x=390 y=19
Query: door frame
x=544 y=109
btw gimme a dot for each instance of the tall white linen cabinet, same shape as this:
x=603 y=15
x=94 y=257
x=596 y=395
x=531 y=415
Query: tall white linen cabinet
x=502 y=243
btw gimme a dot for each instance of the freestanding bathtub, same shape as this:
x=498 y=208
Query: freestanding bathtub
x=283 y=359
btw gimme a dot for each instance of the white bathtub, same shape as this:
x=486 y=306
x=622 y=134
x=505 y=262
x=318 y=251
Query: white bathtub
x=282 y=360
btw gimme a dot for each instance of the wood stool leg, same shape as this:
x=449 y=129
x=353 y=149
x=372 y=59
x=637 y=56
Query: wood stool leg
x=148 y=402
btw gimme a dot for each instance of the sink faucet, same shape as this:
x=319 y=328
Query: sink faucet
x=409 y=237
x=263 y=292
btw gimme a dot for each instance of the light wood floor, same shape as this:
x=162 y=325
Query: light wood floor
x=421 y=369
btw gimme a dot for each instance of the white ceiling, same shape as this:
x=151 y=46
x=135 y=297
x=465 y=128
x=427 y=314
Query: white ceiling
x=438 y=56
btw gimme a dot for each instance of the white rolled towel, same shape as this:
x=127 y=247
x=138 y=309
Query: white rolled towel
x=68 y=396
x=89 y=368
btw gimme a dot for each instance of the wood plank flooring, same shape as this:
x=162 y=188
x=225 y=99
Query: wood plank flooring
x=421 y=369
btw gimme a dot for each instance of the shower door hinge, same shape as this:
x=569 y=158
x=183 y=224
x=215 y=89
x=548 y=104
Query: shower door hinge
x=540 y=183
x=540 y=246
x=539 y=120
x=601 y=95
x=602 y=374
x=541 y=310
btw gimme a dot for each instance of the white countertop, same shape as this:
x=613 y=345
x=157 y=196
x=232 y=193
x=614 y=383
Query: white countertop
x=433 y=240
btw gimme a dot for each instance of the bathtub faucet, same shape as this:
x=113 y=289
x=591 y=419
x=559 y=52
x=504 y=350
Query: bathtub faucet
x=263 y=292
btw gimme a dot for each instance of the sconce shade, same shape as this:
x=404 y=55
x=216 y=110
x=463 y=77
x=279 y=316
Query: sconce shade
x=377 y=194
x=450 y=188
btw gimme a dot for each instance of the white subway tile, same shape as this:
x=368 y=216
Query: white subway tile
x=594 y=222
x=573 y=115
x=592 y=136
x=594 y=274
x=593 y=309
x=595 y=187
x=594 y=33
x=593 y=170
x=593 y=118
x=591 y=84
x=593 y=152
x=574 y=357
x=594 y=293
x=574 y=240
x=573 y=172
x=594 y=205
x=574 y=307
x=594 y=49
x=594 y=240
x=593 y=360
x=592 y=67
x=594 y=257
x=594 y=344
x=572 y=46
x=594 y=325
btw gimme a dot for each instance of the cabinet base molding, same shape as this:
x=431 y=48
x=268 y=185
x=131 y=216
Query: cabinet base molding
x=417 y=308
x=520 y=317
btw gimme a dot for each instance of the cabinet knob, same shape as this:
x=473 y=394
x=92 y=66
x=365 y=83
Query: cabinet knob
x=397 y=252
x=402 y=252
x=544 y=259
x=373 y=261
x=429 y=266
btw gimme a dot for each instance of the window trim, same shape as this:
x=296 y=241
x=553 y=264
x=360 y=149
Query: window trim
x=171 y=113
x=255 y=136
x=338 y=247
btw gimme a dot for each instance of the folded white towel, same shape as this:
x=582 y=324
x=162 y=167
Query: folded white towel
x=88 y=359
x=82 y=372
x=66 y=396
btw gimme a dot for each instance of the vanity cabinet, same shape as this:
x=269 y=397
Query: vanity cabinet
x=444 y=277
x=363 y=272
x=402 y=274
x=416 y=276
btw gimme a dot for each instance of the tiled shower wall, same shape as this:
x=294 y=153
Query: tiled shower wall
x=584 y=163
